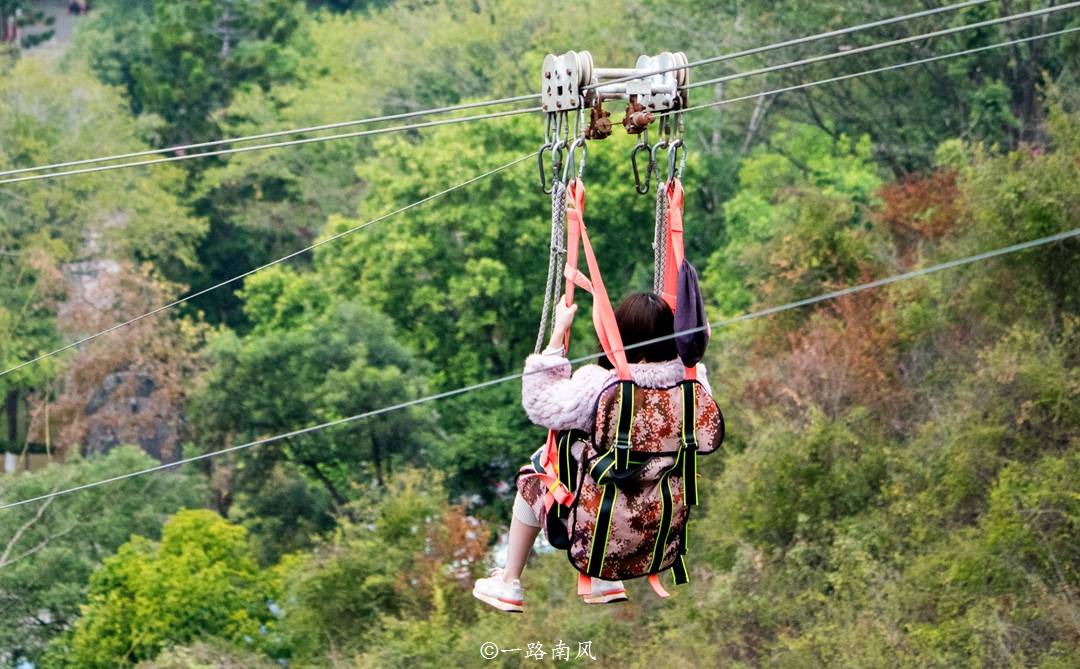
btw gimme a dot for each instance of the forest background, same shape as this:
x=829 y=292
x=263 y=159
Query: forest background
x=900 y=485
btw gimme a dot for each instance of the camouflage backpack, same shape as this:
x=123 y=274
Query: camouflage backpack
x=633 y=481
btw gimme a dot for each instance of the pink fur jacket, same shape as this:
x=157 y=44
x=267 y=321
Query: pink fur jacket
x=558 y=400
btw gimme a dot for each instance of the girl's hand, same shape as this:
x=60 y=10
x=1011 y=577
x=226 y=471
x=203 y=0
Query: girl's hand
x=564 y=316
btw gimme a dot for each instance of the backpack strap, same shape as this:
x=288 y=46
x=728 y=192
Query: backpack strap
x=546 y=469
x=602 y=531
x=686 y=461
x=616 y=460
x=624 y=428
x=567 y=470
x=689 y=450
x=666 y=510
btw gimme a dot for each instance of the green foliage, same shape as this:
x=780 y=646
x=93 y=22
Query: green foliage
x=48 y=550
x=991 y=119
x=48 y=117
x=798 y=223
x=898 y=484
x=794 y=484
x=199 y=580
x=267 y=203
x=213 y=654
x=1024 y=195
x=908 y=112
x=183 y=60
x=406 y=556
x=315 y=358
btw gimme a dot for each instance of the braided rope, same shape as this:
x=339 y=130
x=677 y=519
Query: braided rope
x=659 y=238
x=557 y=256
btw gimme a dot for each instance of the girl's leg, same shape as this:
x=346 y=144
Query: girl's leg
x=524 y=528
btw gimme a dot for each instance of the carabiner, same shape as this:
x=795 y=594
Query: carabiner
x=540 y=164
x=637 y=174
x=558 y=152
x=653 y=165
x=568 y=167
x=540 y=155
x=579 y=118
x=665 y=130
x=643 y=144
x=673 y=152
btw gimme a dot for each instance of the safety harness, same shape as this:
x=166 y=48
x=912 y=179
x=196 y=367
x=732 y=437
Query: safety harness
x=554 y=464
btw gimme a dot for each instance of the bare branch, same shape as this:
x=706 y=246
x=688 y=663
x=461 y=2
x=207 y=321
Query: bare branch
x=4 y=557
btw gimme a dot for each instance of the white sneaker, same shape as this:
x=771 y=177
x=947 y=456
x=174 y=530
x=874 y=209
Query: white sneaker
x=495 y=591
x=605 y=592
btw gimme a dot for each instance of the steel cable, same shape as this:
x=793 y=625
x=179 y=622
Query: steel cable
x=1061 y=236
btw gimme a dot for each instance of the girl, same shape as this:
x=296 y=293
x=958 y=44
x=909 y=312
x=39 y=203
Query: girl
x=558 y=400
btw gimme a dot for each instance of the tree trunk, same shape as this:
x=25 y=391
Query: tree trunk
x=339 y=499
x=376 y=458
x=11 y=407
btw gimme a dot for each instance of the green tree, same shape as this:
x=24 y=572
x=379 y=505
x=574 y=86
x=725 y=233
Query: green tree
x=908 y=112
x=213 y=654
x=47 y=117
x=315 y=358
x=48 y=550
x=407 y=556
x=60 y=238
x=184 y=60
x=798 y=224
x=201 y=580
x=265 y=204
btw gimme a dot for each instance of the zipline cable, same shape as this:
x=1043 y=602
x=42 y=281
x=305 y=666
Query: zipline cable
x=986 y=255
x=278 y=261
x=885 y=45
x=472 y=105
x=274 y=145
x=689 y=109
x=275 y=133
x=793 y=42
x=879 y=70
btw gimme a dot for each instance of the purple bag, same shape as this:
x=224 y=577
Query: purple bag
x=689 y=315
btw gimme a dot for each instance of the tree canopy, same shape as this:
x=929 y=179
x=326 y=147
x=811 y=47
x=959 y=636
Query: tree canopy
x=897 y=487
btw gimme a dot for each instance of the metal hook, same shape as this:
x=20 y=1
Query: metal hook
x=641 y=146
x=673 y=152
x=653 y=165
x=665 y=130
x=540 y=155
x=558 y=154
x=540 y=165
x=579 y=142
x=558 y=146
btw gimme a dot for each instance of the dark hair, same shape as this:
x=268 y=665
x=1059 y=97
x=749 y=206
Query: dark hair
x=641 y=317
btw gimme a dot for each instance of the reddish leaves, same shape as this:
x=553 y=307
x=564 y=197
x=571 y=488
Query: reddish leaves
x=126 y=387
x=844 y=356
x=919 y=206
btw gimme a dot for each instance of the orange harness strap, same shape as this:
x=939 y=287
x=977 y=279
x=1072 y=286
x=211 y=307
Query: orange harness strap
x=603 y=314
x=607 y=330
x=673 y=242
